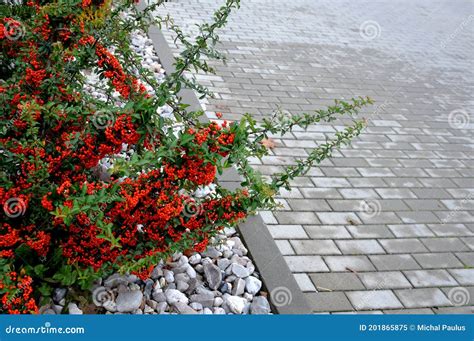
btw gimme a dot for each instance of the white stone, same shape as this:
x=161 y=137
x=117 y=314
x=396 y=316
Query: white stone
x=173 y=296
x=253 y=285
x=239 y=287
x=129 y=301
x=73 y=309
x=196 y=306
x=207 y=311
x=218 y=301
x=239 y=270
x=169 y=276
x=219 y=311
x=195 y=259
x=236 y=304
x=191 y=272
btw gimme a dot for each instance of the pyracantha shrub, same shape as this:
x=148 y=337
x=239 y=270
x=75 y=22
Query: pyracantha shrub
x=95 y=184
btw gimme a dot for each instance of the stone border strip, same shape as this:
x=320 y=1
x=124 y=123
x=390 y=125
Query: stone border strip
x=286 y=296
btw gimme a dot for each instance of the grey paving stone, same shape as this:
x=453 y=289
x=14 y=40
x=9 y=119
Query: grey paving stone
x=440 y=183
x=344 y=205
x=300 y=143
x=293 y=193
x=455 y=310
x=339 y=172
x=369 y=231
x=313 y=205
x=459 y=193
x=418 y=217
x=410 y=230
x=306 y=263
x=437 y=260
x=358 y=193
x=458 y=204
x=283 y=203
x=467 y=258
x=406 y=245
x=290 y=151
x=287 y=232
x=431 y=193
x=395 y=193
x=338 y=218
x=349 y=263
x=315 y=247
x=409 y=172
x=336 y=281
x=422 y=298
x=450 y=230
x=328 y=301
x=359 y=247
x=442 y=173
x=376 y=299
x=463 y=276
x=375 y=172
x=285 y=247
x=454 y=216
x=304 y=282
x=367 y=182
x=327 y=231
x=380 y=162
x=268 y=217
x=301 y=182
x=469 y=241
x=384 y=280
x=379 y=218
x=402 y=182
x=430 y=278
x=307 y=218
x=350 y=162
x=330 y=182
x=358 y=205
x=394 y=262
x=320 y=193
x=460 y=295
x=444 y=244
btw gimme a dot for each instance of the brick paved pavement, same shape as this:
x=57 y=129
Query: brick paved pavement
x=387 y=225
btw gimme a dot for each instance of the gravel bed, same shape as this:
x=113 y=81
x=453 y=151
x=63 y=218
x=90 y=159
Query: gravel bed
x=221 y=280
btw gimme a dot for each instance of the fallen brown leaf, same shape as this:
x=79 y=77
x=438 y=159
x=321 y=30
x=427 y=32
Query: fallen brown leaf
x=268 y=143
